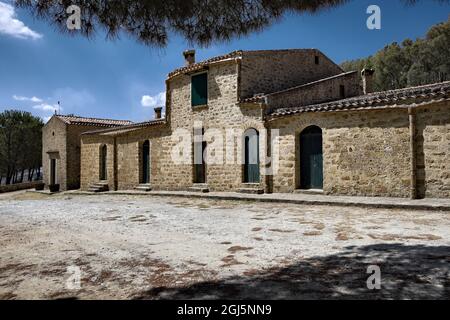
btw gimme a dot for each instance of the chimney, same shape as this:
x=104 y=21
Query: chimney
x=367 y=78
x=158 y=112
x=189 y=57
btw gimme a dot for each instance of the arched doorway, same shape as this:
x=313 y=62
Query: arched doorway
x=311 y=158
x=146 y=162
x=103 y=154
x=251 y=156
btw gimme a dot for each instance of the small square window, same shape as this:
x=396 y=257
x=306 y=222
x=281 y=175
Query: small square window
x=199 y=89
x=316 y=59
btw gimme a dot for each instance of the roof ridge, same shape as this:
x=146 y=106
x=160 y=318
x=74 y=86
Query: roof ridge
x=90 y=118
x=128 y=126
x=202 y=63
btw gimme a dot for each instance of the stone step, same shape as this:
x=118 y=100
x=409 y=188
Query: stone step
x=143 y=187
x=199 y=188
x=309 y=191
x=251 y=186
x=251 y=190
x=99 y=186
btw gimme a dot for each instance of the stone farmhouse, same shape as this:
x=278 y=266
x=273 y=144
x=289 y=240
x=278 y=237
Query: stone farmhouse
x=61 y=147
x=269 y=121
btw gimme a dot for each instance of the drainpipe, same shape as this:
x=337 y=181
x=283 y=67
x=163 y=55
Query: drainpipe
x=412 y=147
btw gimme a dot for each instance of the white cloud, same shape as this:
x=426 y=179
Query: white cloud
x=158 y=100
x=47 y=107
x=11 y=26
x=45 y=119
x=32 y=99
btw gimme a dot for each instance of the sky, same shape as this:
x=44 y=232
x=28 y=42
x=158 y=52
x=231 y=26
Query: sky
x=123 y=79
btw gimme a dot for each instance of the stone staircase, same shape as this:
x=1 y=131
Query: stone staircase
x=251 y=188
x=143 y=187
x=100 y=186
x=199 y=187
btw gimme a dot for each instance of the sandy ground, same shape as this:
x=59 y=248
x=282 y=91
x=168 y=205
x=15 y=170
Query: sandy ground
x=135 y=247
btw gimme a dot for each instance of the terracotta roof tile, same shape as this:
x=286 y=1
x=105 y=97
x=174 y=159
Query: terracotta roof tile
x=132 y=126
x=70 y=119
x=423 y=93
x=199 y=65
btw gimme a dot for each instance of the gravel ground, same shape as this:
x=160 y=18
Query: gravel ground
x=137 y=247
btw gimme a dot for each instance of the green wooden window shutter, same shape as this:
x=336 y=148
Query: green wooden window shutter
x=199 y=89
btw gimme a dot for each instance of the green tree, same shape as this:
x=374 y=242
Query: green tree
x=20 y=144
x=410 y=63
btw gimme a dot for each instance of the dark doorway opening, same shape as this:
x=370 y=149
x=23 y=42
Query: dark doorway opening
x=53 y=171
x=251 y=161
x=311 y=158
x=146 y=162
x=103 y=153
x=199 y=156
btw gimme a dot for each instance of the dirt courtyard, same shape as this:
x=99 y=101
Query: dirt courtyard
x=149 y=247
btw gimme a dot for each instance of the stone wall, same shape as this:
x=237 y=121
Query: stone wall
x=317 y=92
x=221 y=114
x=63 y=142
x=270 y=71
x=433 y=150
x=90 y=159
x=364 y=152
x=19 y=186
x=54 y=146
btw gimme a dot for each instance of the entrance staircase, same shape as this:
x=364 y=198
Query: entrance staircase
x=144 y=187
x=100 y=186
x=199 y=187
x=251 y=188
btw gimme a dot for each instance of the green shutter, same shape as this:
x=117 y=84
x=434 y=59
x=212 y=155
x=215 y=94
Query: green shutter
x=199 y=89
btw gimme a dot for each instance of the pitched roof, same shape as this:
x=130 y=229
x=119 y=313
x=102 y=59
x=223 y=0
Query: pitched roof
x=425 y=93
x=129 y=127
x=199 y=65
x=261 y=97
x=232 y=55
x=76 y=120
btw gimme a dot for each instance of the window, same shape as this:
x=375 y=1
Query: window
x=199 y=89
x=316 y=59
x=342 y=91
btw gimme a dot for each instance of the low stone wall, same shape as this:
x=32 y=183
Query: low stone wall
x=19 y=186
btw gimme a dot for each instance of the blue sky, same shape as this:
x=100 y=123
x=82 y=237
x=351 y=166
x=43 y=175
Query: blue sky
x=99 y=78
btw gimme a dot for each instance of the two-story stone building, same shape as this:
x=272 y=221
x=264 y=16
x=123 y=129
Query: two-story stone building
x=279 y=121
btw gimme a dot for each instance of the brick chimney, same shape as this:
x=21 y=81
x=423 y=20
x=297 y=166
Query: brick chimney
x=158 y=112
x=367 y=78
x=189 y=57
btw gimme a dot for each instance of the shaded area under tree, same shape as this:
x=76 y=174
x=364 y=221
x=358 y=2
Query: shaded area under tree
x=407 y=272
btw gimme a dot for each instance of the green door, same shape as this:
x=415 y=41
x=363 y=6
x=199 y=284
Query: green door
x=251 y=165
x=146 y=162
x=311 y=158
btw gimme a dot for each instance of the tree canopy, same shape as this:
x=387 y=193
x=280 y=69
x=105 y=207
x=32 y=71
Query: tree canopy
x=200 y=22
x=20 y=145
x=425 y=60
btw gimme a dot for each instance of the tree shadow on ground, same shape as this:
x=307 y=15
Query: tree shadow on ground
x=407 y=272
